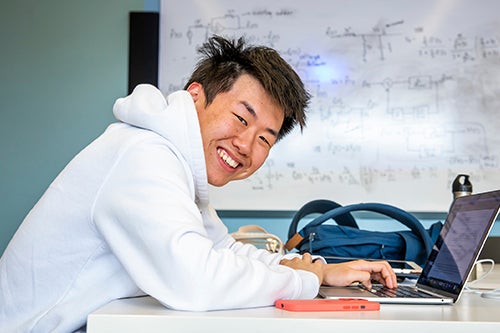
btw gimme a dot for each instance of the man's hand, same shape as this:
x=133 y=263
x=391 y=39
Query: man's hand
x=306 y=263
x=346 y=273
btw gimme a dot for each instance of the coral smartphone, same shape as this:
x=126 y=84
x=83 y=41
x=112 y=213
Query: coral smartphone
x=347 y=304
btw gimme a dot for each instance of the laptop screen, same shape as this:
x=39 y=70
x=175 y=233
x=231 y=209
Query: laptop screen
x=458 y=245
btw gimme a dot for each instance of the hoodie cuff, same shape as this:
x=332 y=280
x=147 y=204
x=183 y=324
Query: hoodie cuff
x=310 y=285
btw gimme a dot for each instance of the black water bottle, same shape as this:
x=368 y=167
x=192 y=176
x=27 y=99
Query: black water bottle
x=461 y=186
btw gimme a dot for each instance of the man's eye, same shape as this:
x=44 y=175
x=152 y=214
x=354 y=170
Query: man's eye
x=265 y=140
x=243 y=121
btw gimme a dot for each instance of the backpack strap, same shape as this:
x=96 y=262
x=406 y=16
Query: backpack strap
x=398 y=214
x=320 y=206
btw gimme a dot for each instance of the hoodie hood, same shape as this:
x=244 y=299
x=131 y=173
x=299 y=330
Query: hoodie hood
x=173 y=118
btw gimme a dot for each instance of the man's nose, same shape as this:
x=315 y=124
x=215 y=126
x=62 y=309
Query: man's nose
x=244 y=141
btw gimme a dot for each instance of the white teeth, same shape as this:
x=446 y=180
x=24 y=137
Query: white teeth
x=229 y=161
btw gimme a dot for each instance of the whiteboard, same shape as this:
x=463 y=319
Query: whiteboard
x=406 y=95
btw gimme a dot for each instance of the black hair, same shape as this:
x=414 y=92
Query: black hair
x=223 y=61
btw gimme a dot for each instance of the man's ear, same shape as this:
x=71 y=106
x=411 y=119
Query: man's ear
x=196 y=91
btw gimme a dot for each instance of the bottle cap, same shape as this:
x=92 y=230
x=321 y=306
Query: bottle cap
x=462 y=185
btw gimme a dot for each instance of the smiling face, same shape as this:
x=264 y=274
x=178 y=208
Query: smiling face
x=238 y=129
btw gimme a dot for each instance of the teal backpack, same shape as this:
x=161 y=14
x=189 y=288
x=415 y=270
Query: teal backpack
x=344 y=238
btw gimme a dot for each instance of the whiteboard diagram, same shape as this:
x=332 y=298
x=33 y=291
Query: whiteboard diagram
x=406 y=95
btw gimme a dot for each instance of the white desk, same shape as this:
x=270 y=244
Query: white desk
x=471 y=314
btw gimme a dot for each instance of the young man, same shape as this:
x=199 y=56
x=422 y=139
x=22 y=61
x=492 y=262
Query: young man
x=130 y=214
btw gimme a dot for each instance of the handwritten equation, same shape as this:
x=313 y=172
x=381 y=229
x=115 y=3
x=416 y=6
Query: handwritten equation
x=397 y=102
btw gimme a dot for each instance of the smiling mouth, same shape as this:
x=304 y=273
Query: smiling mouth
x=227 y=159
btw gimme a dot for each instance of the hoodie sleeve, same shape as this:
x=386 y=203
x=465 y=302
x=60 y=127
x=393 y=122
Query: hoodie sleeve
x=147 y=214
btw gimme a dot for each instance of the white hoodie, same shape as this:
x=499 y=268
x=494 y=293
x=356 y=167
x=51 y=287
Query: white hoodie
x=129 y=216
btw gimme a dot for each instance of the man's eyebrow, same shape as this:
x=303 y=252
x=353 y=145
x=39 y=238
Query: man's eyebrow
x=251 y=110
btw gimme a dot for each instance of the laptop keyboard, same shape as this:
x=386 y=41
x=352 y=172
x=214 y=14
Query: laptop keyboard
x=401 y=291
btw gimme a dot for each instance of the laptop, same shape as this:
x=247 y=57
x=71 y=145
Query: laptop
x=450 y=262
